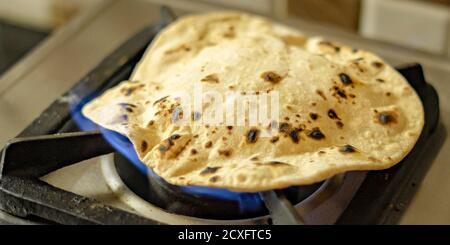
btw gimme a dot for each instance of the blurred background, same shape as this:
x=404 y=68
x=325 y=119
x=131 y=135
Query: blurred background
x=24 y=23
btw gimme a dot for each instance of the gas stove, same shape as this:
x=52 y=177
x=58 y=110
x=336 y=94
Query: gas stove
x=102 y=186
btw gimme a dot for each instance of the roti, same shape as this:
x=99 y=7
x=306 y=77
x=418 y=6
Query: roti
x=339 y=108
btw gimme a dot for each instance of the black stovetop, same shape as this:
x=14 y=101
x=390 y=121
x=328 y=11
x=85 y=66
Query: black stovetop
x=15 y=42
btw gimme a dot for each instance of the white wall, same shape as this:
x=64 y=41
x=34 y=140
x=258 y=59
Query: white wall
x=38 y=13
x=35 y=13
x=418 y=25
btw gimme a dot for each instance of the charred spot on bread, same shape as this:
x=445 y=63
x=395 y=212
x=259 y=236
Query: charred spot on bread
x=209 y=170
x=214 y=179
x=208 y=144
x=316 y=134
x=272 y=163
x=252 y=136
x=175 y=137
x=313 y=116
x=211 y=78
x=294 y=135
x=347 y=149
x=345 y=79
x=321 y=94
x=225 y=152
x=331 y=45
x=284 y=127
x=144 y=146
x=195 y=115
x=162 y=99
x=274 y=139
x=377 y=64
x=332 y=114
x=272 y=77
x=386 y=118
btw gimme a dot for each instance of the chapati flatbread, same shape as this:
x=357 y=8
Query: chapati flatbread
x=341 y=109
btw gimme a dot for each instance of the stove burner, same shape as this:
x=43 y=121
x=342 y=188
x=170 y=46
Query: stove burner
x=173 y=199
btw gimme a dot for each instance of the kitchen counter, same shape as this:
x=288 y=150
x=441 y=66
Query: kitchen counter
x=59 y=62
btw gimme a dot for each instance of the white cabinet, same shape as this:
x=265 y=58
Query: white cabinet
x=418 y=25
x=41 y=14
